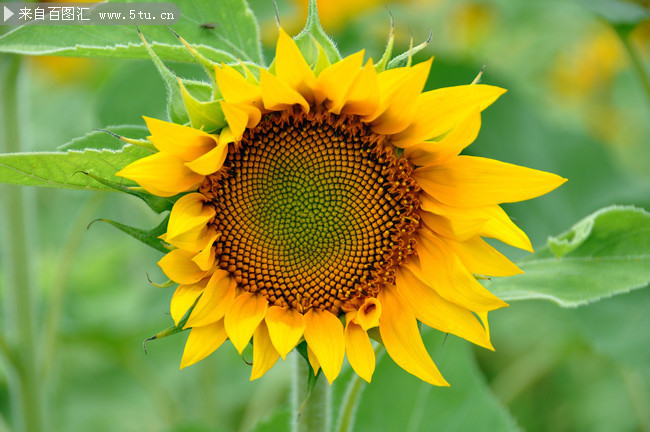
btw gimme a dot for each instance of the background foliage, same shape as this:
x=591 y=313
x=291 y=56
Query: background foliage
x=576 y=106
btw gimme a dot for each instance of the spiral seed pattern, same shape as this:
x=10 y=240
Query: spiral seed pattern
x=314 y=211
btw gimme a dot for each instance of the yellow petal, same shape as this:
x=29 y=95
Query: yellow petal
x=481 y=258
x=396 y=108
x=362 y=98
x=286 y=327
x=432 y=153
x=291 y=67
x=210 y=162
x=469 y=181
x=437 y=312
x=202 y=342
x=239 y=117
x=313 y=361
x=264 y=355
x=441 y=269
x=216 y=299
x=184 y=297
x=359 y=351
x=501 y=227
x=439 y=110
x=162 y=175
x=277 y=95
x=325 y=336
x=463 y=223
x=234 y=87
x=183 y=142
x=243 y=317
x=179 y=267
x=334 y=82
x=369 y=313
x=401 y=337
x=205 y=258
x=459 y=228
x=189 y=213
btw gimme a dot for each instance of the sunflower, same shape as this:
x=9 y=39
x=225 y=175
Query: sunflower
x=334 y=208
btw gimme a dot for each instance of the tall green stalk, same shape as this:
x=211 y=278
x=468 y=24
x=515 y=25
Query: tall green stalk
x=26 y=395
x=313 y=414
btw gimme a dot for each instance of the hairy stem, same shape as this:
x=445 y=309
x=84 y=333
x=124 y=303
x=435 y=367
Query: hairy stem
x=313 y=414
x=26 y=397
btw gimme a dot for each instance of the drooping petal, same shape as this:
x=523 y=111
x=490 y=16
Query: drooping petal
x=437 y=312
x=277 y=95
x=202 y=342
x=501 y=227
x=325 y=336
x=179 y=267
x=359 y=351
x=183 y=142
x=216 y=299
x=264 y=354
x=440 y=110
x=243 y=317
x=184 y=297
x=369 y=313
x=161 y=174
x=234 y=87
x=441 y=269
x=469 y=181
x=481 y=258
x=286 y=327
x=291 y=67
x=437 y=152
x=399 y=332
x=396 y=106
x=334 y=82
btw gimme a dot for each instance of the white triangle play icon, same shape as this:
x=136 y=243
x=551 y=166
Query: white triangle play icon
x=8 y=13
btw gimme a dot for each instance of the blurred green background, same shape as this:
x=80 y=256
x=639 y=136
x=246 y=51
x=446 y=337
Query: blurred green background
x=576 y=106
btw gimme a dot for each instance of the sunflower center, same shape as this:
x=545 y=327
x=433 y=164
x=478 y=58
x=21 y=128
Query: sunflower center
x=314 y=211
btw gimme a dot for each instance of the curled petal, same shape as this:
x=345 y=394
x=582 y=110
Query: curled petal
x=216 y=299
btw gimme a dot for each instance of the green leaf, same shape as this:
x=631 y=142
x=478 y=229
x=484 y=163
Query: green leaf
x=234 y=36
x=65 y=169
x=467 y=405
x=101 y=140
x=605 y=254
x=313 y=32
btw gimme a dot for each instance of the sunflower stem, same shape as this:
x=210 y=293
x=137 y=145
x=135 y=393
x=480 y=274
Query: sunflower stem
x=311 y=412
x=350 y=402
x=19 y=310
